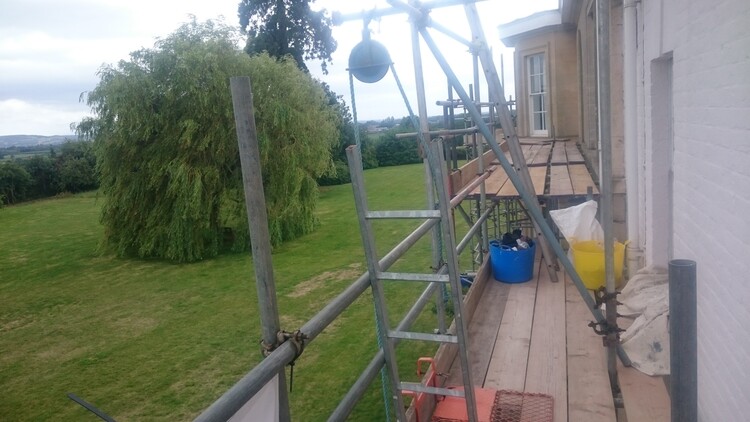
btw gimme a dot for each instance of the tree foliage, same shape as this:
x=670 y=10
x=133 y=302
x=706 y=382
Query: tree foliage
x=167 y=149
x=72 y=169
x=45 y=176
x=391 y=151
x=287 y=27
x=340 y=173
x=14 y=182
x=76 y=165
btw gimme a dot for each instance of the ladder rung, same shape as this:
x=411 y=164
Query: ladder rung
x=419 y=388
x=441 y=278
x=440 y=338
x=404 y=214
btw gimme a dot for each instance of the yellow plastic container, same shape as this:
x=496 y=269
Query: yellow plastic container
x=588 y=259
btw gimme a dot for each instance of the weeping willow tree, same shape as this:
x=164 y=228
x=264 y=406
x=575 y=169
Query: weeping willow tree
x=167 y=151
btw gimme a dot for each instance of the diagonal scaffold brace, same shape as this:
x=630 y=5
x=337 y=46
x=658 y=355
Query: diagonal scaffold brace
x=528 y=198
x=514 y=147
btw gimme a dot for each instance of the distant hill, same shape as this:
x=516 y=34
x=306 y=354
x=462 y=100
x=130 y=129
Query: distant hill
x=31 y=140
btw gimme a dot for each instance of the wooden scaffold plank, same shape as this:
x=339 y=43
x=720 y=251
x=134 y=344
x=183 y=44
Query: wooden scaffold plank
x=542 y=157
x=507 y=369
x=493 y=183
x=529 y=152
x=645 y=397
x=547 y=369
x=538 y=175
x=558 y=154
x=574 y=155
x=581 y=179
x=483 y=332
x=559 y=181
x=589 y=391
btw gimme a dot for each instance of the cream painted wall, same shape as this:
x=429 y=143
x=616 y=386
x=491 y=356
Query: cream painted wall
x=586 y=36
x=562 y=81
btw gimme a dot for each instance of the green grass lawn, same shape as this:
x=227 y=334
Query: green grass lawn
x=149 y=340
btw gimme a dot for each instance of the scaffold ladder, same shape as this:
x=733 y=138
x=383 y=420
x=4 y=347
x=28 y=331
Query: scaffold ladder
x=448 y=273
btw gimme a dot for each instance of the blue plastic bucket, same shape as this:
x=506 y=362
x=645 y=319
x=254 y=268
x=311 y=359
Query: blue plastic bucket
x=511 y=266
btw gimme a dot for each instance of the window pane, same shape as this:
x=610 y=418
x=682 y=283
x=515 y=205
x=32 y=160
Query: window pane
x=536 y=91
x=537 y=103
x=535 y=84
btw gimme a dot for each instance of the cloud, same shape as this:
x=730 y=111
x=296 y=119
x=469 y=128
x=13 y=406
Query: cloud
x=51 y=50
x=19 y=117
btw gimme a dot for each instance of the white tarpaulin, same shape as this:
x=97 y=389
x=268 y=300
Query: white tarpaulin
x=646 y=299
x=263 y=406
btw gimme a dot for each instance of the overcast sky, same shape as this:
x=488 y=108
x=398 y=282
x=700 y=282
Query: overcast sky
x=50 y=51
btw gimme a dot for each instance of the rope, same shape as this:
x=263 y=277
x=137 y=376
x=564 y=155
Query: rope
x=384 y=379
x=354 y=113
x=415 y=122
x=433 y=161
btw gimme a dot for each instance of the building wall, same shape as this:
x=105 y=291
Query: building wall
x=586 y=33
x=559 y=47
x=694 y=138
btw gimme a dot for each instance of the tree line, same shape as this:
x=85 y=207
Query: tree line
x=378 y=150
x=71 y=168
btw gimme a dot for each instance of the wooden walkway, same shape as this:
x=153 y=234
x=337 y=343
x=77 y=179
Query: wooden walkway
x=557 y=171
x=533 y=337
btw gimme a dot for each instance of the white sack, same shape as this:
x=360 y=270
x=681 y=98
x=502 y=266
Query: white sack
x=578 y=223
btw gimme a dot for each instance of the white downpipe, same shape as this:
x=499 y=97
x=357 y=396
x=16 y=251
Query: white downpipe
x=630 y=46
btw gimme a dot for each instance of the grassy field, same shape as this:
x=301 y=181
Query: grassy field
x=149 y=340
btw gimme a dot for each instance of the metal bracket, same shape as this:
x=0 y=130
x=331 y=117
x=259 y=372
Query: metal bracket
x=605 y=329
x=297 y=338
x=601 y=296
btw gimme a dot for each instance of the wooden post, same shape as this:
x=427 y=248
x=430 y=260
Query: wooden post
x=257 y=218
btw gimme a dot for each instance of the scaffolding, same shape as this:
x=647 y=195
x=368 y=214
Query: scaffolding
x=283 y=348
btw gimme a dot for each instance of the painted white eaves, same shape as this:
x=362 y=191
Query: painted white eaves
x=539 y=22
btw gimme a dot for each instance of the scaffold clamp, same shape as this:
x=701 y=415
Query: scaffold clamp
x=601 y=296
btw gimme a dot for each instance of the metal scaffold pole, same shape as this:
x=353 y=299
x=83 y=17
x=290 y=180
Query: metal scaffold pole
x=480 y=153
x=528 y=197
x=605 y=138
x=519 y=161
x=424 y=135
